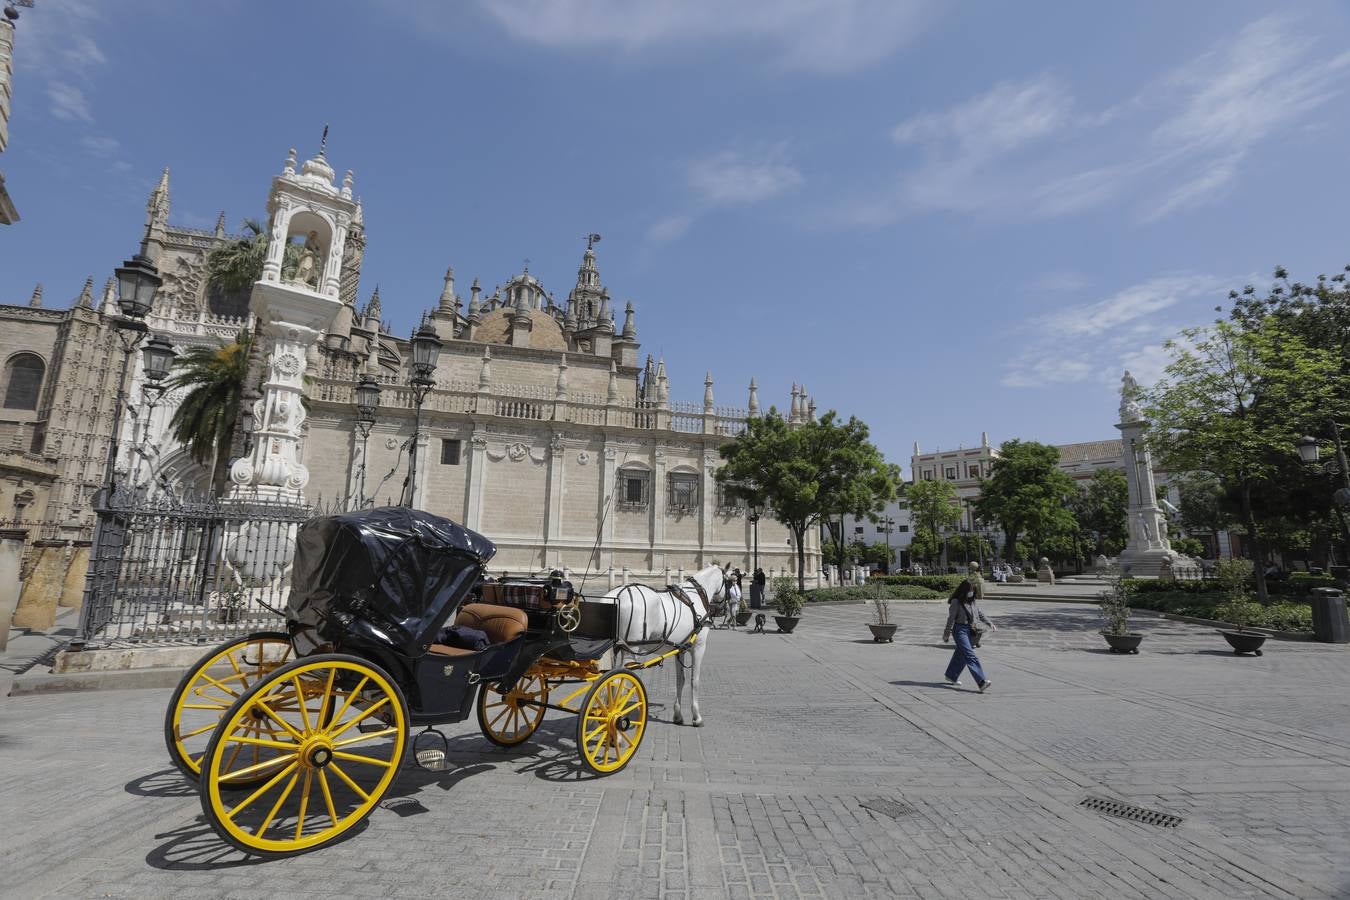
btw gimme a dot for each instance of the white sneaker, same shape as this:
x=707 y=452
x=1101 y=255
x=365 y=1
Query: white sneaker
x=984 y=686
x=955 y=681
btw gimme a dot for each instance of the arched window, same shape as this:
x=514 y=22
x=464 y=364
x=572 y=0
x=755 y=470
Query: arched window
x=23 y=381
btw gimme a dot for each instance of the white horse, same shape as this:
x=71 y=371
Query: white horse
x=651 y=620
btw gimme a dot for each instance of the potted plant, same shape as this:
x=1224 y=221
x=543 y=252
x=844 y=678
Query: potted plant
x=787 y=602
x=883 y=630
x=742 y=614
x=1114 y=602
x=1234 y=575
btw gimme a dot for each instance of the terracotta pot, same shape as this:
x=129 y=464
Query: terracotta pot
x=1244 y=641
x=1123 y=643
x=787 y=623
x=883 y=633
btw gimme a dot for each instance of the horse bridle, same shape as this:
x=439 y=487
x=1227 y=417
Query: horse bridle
x=699 y=619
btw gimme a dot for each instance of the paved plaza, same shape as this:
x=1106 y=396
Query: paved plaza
x=766 y=800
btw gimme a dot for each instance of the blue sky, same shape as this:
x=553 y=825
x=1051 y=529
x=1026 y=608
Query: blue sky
x=942 y=218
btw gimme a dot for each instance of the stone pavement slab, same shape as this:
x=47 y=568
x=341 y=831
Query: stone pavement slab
x=767 y=799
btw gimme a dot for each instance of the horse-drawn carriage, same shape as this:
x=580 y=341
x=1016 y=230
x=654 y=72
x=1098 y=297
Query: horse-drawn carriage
x=295 y=736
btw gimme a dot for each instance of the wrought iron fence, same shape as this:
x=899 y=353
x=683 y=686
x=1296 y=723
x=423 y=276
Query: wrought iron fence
x=166 y=571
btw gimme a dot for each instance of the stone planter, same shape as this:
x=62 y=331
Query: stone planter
x=883 y=633
x=787 y=623
x=1123 y=643
x=1244 y=641
x=742 y=618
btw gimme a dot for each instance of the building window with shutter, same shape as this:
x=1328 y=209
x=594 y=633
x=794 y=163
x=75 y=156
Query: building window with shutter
x=450 y=451
x=951 y=473
x=682 y=492
x=633 y=489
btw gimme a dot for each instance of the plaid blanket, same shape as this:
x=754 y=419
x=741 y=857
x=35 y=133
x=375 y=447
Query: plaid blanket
x=526 y=595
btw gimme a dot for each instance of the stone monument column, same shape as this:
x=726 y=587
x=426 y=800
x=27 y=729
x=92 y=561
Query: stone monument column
x=1149 y=553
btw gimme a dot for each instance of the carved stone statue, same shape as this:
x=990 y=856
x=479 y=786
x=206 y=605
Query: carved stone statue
x=1130 y=392
x=307 y=270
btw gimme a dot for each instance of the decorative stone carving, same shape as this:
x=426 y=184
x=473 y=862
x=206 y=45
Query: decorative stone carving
x=583 y=458
x=1130 y=392
x=555 y=444
x=241 y=473
x=391 y=443
x=286 y=364
x=517 y=451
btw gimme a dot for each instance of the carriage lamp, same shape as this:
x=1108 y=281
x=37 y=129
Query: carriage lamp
x=137 y=281
x=157 y=357
x=426 y=347
x=1307 y=448
x=367 y=401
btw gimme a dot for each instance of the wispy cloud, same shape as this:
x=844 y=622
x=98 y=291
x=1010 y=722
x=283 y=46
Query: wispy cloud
x=739 y=176
x=812 y=35
x=1179 y=143
x=68 y=103
x=101 y=146
x=1096 y=340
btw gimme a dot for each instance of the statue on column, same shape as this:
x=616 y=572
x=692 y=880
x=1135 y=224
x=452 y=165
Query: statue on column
x=307 y=269
x=1130 y=393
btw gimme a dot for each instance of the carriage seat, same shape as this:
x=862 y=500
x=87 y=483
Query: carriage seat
x=499 y=623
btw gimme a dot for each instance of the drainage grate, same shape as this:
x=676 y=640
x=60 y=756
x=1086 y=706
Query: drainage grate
x=892 y=808
x=1131 y=812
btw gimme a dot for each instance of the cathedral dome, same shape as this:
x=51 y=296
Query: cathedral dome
x=545 y=332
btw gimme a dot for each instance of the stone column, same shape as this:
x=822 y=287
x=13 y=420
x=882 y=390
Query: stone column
x=608 y=489
x=657 y=536
x=11 y=555
x=553 y=501
x=473 y=517
x=42 y=588
x=72 y=588
x=1148 y=547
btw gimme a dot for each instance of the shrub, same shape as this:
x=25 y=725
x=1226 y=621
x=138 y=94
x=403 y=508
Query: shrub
x=1161 y=586
x=870 y=592
x=1114 y=603
x=943 y=583
x=787 y=600
x=1299 y=584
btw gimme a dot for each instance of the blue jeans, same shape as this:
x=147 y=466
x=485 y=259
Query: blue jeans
x=964 y=656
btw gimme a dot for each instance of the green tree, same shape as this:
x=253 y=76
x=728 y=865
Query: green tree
x=204 y=421
x=1233 y=402
x=234 y=266
x=806 y=473
x=1026 y=494
x=1100 y=509
x=933 y=505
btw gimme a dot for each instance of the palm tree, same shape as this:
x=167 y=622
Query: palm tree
x=204 y=422
x=235 y=265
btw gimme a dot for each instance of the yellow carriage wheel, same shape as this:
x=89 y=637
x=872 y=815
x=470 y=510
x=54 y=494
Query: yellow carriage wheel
x=508 y=719
x=210 y=687
x=612 y=720
x=329 y=759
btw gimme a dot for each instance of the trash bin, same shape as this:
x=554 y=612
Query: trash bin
x=1330 y=624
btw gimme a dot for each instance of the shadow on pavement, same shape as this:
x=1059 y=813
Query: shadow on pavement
x=164 y=783
x=931 y=684
x=196 y=848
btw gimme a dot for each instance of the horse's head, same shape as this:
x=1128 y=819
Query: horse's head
x=712 y=580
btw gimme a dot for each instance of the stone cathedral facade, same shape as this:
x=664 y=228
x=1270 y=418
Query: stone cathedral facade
x=547 y=430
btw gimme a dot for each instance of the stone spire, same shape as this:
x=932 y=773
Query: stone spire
x=36 y=299
x=373 y=311
x=561 y=391
x=662 y=385
x=629 y=329
x=648 y=385
x=792 y=408
x=86 y=300
x=707 y=393
x=220 y=225
x=606 y=314
x=109 y=302
x=584 y=302
x=811 y=410
x=916 y=448
x=449 y=303
x=157 y=207
x=984 y=439
x=485 y=371
x=754 y=397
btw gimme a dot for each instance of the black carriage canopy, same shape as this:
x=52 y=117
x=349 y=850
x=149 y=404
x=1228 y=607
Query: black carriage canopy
x=400 y=571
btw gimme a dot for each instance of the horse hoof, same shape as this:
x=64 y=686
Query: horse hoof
x=679 y=720
x=698 y=723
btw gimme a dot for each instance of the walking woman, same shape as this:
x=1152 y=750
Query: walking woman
x=964 y=620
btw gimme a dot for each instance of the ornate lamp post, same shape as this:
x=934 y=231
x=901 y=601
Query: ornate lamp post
x=367 y=404
x=426 y=347
x=756 y=510
x=888 y=524
x=137 y=281
x=1307 y=451
x=157 y=358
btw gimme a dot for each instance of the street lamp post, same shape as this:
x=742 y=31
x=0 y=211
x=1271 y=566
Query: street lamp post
x=137 y=281
x=158 y=356
x=1307 y=451
x=426 y=347
x=888 y=523
x=756 y=510
x=367 y=403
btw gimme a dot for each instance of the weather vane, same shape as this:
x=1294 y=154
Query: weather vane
x=323 y=141
x=591 y=240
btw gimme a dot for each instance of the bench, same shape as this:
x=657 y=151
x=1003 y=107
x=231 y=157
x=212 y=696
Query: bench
x=499 y=623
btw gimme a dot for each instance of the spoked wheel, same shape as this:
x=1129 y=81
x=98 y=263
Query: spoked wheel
x=508 y=719
x=612 y=721
x=210 y=688
x=323 y=773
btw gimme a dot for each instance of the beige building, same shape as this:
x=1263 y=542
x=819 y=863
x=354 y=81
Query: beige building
x=546 y=429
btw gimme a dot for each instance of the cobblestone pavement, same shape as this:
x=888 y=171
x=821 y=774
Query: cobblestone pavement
x=767 y=799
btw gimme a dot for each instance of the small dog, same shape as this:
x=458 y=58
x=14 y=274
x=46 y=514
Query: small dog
x=759 y=623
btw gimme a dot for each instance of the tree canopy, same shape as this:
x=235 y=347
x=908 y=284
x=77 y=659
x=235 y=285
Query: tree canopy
x=204 y=421
x=1100 y=510
x=933 y=505
x=1027 y=495
x=805 y=473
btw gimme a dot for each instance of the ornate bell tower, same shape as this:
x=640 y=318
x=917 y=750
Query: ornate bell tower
x=295 y=301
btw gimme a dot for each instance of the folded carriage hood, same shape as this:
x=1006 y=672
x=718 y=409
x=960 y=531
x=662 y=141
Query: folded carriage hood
x=399 y=571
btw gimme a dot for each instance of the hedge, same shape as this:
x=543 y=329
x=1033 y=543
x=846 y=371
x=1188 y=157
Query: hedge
x=868 y=592
x=1298 y=584
x=944 y=583
x=1281 y=616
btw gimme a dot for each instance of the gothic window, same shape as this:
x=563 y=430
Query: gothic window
x=450 y=452
x=23 y=381
x=682 y=491
x=634 y=489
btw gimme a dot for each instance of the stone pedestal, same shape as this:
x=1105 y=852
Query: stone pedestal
x=42 y=589
x=11 y=555
x=72 y=588
x=1044 y=574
